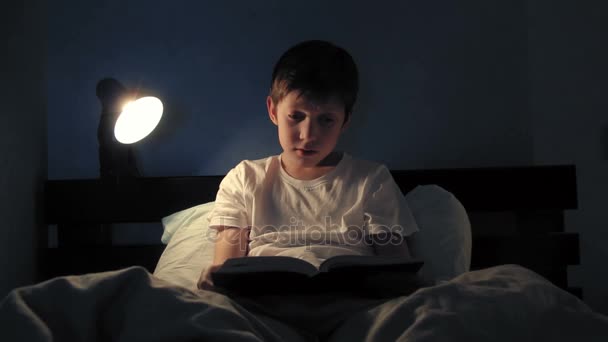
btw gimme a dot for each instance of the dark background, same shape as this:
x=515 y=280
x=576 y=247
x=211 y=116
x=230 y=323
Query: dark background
x=443 y=84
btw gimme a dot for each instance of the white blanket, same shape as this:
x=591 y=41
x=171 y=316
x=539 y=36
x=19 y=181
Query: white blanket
x=504 y=303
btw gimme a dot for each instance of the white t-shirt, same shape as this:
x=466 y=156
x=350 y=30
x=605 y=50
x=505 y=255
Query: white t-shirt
x=312 y=219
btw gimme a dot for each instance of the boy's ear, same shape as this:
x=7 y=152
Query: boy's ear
x=272 y=110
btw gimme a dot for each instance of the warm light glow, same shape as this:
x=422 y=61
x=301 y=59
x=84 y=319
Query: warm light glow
x=138 y=119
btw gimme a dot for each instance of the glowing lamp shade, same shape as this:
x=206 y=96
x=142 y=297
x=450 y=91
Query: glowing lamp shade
x=138 y=119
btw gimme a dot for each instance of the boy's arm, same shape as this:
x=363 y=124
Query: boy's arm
x=231 y=243
x=393 y=245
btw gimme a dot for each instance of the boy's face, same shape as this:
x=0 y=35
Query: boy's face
x=308 y=131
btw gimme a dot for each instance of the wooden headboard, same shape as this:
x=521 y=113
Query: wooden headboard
x=516 y=216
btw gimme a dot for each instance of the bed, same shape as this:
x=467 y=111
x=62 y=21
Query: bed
x=518 y=266
x=516 y=214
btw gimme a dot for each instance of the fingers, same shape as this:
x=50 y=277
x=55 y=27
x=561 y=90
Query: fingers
x=205 y=282
x=206 y=286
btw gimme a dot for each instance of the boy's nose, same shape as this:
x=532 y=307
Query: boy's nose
x=308 y=131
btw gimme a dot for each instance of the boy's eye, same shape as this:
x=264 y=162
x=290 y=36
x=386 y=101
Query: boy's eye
x=327 y=120
x=296 y=116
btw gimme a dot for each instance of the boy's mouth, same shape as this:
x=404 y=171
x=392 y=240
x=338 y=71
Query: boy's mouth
x=303 y=152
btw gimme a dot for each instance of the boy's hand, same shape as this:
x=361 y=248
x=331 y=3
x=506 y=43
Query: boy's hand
x=230 y=242
x=205 y=282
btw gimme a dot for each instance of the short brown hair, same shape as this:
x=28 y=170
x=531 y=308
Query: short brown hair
x=318 y=70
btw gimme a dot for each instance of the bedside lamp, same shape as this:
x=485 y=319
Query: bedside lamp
x=125 y=119
x=138 y=119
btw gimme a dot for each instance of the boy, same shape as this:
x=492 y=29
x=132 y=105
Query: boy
x=310 y=202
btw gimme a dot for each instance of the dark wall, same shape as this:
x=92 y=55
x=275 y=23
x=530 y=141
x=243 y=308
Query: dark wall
x=568 y=92
x=22 y=139
x=443 y=83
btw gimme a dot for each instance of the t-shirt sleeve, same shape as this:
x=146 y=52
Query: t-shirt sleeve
x=230 y=209
x=385 y=208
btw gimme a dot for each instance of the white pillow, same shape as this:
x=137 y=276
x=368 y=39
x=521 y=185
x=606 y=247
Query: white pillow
x=174 y=222
x=444 y=240
x=191 y=245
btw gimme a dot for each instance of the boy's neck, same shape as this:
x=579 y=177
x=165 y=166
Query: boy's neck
x=310 y=173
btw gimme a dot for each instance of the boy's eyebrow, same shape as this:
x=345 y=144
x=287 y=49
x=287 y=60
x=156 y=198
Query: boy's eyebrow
x=324 y=112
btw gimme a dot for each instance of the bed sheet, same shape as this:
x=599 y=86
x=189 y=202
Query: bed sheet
x=503 y=303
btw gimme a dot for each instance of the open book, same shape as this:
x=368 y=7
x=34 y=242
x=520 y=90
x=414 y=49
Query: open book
x=343 y=273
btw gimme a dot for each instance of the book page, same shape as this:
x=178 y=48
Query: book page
x=267 y=264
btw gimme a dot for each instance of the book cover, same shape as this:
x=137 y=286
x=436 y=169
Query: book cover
x=373 y=275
